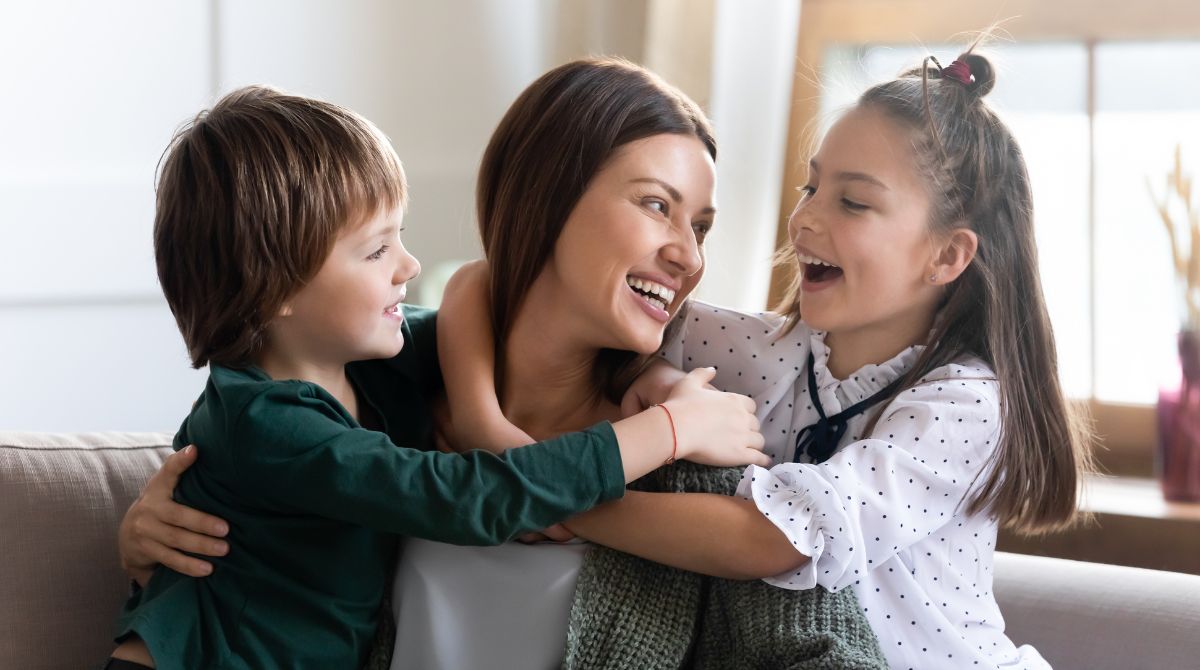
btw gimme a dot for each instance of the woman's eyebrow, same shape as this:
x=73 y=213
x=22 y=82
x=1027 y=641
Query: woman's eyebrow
x=671 y=191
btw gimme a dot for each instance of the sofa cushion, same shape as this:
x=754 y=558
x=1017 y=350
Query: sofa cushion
x=61 y=499
x=1093 y=616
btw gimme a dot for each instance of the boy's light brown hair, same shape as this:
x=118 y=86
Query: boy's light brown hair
x=251 y=196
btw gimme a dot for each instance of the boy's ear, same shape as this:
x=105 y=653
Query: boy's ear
x=956 y=253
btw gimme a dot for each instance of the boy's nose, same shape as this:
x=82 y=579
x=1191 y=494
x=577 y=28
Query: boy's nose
x=407 y=266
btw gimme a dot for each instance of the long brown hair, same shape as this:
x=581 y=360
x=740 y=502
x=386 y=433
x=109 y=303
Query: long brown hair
x=554 y=138
x=250 y=199
x=995 y=309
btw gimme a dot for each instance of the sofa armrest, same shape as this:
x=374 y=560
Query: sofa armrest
x=1099 y=617
x=62 y=497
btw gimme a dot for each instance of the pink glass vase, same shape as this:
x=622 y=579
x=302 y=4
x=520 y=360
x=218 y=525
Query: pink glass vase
x=1179 y=426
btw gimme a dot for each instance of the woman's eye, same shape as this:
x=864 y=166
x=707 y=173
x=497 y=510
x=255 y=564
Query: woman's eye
x=378 y=253
x=700 y=230
x=655 y=204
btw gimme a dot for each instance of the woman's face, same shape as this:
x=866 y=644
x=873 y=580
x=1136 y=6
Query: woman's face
x=632 y=249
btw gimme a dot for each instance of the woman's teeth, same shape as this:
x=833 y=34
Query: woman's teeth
x=652 y=292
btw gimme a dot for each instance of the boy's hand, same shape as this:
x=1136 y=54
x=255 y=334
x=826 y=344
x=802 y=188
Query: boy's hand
x=713 y=427
x=652 y=387
x=157 y=530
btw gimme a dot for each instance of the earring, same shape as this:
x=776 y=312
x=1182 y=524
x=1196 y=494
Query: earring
x=933 y=278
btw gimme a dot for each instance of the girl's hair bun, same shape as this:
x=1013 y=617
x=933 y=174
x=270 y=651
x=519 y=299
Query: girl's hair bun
x=981 y=71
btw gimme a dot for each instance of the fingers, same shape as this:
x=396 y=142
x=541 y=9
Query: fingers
x=181 y=563
x=559 y=533
x=175 y=465
x=631 y=404
x=181 y=539
x=194 y=520
x=701 y=376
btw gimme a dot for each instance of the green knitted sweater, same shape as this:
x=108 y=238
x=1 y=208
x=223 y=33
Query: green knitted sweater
x=632 y=614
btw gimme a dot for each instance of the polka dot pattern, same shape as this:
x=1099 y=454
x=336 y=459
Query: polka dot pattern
x=886 y=514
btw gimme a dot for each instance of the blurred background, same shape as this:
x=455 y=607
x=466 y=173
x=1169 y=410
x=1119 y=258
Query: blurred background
x=1100 y=93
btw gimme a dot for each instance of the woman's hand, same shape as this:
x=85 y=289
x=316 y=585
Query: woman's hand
x=713 y=427
x=157 y=530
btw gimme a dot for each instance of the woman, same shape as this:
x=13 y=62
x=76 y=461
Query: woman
x=594 y=198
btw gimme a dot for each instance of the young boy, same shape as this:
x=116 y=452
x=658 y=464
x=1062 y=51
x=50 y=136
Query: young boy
x=277 y=240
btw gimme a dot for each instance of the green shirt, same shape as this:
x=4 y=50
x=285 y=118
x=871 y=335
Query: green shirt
x=316 y=503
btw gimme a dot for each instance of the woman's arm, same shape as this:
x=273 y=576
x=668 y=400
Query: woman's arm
x=156 y=529
x=711 y=534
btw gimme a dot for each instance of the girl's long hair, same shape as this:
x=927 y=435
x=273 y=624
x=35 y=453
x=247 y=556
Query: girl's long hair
x=995 y=310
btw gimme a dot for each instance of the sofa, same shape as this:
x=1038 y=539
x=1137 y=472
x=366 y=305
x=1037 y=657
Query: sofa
x=62 y=496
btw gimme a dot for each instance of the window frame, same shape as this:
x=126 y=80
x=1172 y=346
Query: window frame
x=1126 y=434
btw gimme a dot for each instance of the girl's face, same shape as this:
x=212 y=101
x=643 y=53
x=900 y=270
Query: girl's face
x=861 y=232
x=632 y=248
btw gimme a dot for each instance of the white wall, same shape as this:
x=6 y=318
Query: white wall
x=93 y=91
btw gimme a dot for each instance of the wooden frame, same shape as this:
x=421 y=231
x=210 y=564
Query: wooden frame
x=1126 y=433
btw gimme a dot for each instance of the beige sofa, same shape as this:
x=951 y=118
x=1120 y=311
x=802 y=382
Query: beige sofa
x=61 y=497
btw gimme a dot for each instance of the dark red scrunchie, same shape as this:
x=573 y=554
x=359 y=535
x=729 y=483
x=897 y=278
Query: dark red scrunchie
x=958 y=71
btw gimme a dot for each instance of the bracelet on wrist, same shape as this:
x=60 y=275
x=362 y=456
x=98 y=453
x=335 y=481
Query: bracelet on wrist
x=674 y=436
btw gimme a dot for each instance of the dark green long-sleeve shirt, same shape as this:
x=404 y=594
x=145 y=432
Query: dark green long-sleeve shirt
x=315 y=505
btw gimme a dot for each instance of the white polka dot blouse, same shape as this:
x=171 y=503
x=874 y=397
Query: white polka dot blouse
x=886 y=513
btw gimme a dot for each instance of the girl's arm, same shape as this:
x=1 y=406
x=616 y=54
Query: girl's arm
x=466 y=350
x=712 y=534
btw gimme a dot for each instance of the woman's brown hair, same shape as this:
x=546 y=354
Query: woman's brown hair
x=251 y=197
x=554 y=138
x=995 y=310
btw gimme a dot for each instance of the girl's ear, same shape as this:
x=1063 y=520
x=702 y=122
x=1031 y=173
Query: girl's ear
x=956 y=253
x=285 y=310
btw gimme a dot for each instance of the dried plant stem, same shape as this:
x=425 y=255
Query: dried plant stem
x=1186 y=258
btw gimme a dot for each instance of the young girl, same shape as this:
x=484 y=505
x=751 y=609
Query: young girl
x=908 y=392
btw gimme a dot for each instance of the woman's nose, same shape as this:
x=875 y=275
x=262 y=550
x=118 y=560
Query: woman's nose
x=684 y=253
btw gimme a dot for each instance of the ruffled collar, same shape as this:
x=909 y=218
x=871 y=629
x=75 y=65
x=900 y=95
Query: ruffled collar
x=837 y=394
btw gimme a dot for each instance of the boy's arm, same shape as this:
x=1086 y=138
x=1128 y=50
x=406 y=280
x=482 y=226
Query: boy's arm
x=466 y=350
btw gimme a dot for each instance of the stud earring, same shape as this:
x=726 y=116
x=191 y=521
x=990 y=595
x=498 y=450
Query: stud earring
x=933 y=278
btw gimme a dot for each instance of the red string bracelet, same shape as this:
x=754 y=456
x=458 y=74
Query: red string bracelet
x=674 y=437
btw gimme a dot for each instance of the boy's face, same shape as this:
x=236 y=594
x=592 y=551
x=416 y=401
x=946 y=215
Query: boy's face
x=351 y=309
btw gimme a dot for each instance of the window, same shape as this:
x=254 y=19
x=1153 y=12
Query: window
x=1098 y=101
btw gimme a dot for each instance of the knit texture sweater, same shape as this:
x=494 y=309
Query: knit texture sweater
x=633 y=614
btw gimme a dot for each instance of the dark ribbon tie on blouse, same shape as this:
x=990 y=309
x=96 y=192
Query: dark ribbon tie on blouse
x=821 y=439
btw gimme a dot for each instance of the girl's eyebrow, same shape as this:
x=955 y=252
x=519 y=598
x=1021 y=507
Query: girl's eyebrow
x=851 y=176
x=671 y=191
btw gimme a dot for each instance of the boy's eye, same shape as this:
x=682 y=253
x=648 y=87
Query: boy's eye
x=378 y=253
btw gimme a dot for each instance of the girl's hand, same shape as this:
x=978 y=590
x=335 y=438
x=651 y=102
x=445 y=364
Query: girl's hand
x=157 y=530
x=713 y=427
x=652 y=387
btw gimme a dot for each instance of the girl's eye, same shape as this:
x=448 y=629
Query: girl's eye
x=853 y=206
x=378 y=253
x=806 y=191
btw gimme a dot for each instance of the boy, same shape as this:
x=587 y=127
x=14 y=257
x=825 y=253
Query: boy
x=277 y=244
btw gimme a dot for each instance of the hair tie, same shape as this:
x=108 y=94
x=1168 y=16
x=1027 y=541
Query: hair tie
x=958 y=71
